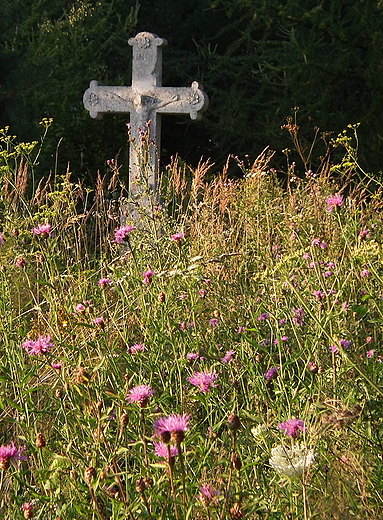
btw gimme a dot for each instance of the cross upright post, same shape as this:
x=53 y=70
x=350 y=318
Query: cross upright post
x=145 y=101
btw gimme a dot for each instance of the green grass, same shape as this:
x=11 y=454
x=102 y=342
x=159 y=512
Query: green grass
x=263 y=270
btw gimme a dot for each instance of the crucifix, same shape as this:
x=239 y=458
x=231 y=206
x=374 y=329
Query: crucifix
x=145 y=101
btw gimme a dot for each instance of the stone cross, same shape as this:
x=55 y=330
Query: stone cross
x=145 y=101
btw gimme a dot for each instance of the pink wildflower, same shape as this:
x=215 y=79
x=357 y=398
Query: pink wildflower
x=121 y=234
x=40 y=346
x=137 y=347
x=10 y=454
x=334 y=201
x=172 y=427
x=140 y=395
x=334 y=349
x=207 y=494
x=292 y=427
x=202 y=292
x=57 y=366
x=192 y=356
x=148 y=275
x=21 y=262
x=229 y=356
x=45 y=230
x=178 y=236
x=1 y=239
x=203 y=380
x=104 y=282
x=161 y=450
x=213 y=322
x=370 y=353
x=272 y=373
x=100 y=322
x=80 y=308
x=299 y=317
x=27 y=507
x=365 y=273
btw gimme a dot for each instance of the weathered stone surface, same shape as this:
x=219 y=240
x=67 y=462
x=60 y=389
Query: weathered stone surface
x=145 y=101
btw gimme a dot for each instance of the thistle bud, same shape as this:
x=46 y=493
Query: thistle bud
x=89 y=474
x=236 y=461
x=233 y=422
x=40 y=441
x=124 y=419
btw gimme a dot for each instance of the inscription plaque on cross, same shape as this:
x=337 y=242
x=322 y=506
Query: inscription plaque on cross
x=145 y=101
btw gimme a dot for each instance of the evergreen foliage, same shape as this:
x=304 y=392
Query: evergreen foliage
x=257 y=60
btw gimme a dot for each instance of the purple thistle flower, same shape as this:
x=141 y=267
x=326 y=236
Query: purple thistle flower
x=203 y=380
x=45 y=230
x=319 y=296
x=140 y=395
x=299 y=317
x=40 y=346
x=178 y=236
x=334 y=349
x=172 y=428
x=334 y=201
x=21 y=262
x=161 y=450
x=207 y=494
x=57 y=366
x=121 y=234
x=100 y=322
x=104 y=282
x=229 y=356
x=370 y=353
x=137 y=347
x=10 y=454
x=148 y=275
x=282 y=322
x=327 y=274
x=264 y=316
x=272 y=373
x=213 y=322
x=27 y=507
x=365 y=273
x=344 y=343
x=292 y=427
x=192 y=356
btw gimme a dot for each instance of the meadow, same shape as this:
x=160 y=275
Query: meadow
x=221 y=360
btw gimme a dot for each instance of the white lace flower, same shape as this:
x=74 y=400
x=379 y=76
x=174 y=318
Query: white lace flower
x=291 y=462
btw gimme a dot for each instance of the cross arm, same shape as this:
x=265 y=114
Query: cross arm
x=100 y=100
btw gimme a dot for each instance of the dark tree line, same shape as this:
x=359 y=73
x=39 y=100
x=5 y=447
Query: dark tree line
x=257 y=60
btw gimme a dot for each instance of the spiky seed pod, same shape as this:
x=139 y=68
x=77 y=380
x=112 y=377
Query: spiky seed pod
x=89 y=474
x=233 y=422
x=236 y=461
x=40 y=441
x=162 y=297
x=124 y=419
